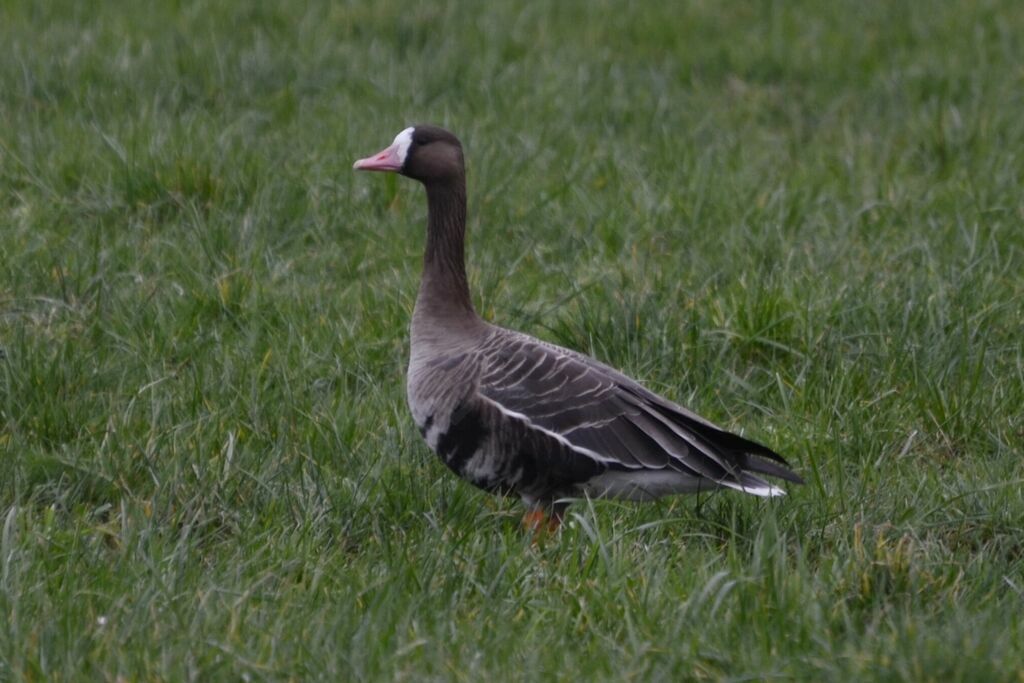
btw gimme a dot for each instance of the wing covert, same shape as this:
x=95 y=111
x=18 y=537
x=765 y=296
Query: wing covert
x=597 y=411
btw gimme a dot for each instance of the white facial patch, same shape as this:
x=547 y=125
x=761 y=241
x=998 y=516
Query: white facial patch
x=402 y=142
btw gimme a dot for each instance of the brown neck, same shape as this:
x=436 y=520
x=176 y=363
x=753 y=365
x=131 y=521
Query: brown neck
x=444 y=290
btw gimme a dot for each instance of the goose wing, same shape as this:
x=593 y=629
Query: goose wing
x=598 y=413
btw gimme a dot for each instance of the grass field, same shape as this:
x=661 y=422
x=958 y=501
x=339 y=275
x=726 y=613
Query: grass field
x=803 y=220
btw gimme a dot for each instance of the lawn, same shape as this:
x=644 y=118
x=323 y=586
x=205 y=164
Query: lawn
x=803 y=220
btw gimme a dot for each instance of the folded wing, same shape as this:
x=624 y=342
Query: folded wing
x=601 y=414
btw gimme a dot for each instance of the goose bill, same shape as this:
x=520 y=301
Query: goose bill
x=389 y=159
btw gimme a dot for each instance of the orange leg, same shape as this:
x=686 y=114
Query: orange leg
x=534 y=519
x=538 y=521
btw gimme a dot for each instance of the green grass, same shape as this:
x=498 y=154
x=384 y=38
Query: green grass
x=803 y=220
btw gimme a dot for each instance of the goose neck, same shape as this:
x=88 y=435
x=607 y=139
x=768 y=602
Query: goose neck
x=444 y=288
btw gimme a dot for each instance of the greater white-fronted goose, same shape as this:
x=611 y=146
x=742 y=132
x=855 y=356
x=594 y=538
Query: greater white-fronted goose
x=514 y=414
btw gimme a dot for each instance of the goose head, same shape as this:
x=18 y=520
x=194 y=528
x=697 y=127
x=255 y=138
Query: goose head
x=425 y=153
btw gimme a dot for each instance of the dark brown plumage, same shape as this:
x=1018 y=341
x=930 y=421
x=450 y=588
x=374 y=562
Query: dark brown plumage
x=514 y=414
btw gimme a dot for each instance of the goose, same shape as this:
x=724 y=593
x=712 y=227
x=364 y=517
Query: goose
x=515 y=415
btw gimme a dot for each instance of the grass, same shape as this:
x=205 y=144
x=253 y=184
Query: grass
x=802 y=220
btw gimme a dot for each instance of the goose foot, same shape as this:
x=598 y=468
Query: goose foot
x=538 y=522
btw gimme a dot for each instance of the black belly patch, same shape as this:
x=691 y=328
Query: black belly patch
x=466 y=433
x=426 y=425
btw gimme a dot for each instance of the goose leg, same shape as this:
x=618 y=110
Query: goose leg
x=534 y=519
x=539 y=519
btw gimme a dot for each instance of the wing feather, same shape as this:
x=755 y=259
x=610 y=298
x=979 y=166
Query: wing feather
x=601 y=414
